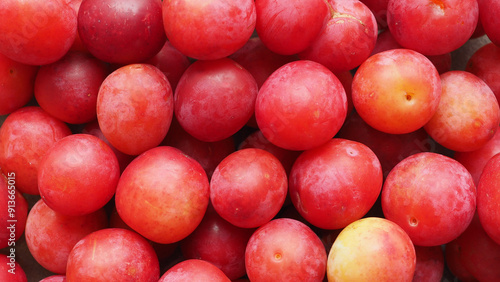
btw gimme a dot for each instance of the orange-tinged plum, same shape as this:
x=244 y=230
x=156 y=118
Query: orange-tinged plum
x=374 y=249
x=396 y=91
x=163 y=195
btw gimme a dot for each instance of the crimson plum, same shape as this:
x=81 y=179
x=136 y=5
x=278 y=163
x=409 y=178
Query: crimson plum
x=171 y=62
x=208 y=154
x=430 y=264
x=214 y=99
x=17 y=82
x=485 y=64
x=121 y=31
x=217 y=241
x=68 y=88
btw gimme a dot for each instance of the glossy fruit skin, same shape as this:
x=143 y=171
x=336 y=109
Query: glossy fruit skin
x=248 y=187
x=488 y=207
x=300 y=106
x=475 y=161
x=163 y=195
x=113 y=254
x=68 y=88
x=396 y=91
x=171 y=62
x=476 y=253
x=29 y=25
x=488 y=10
x=484 y=63
x=350 y=258
x=78 y=175
x=194 y=270
x=431 y=196
x=389 y=148
x=468 y=113
x=34 y=132
x=214 y=99
x=17 y=82
x=208 y=30
x=7 y=264
x=121 y=31
x=430 y=264
x=50 y=235
x=131 y=122
x=432 y=27
x=289 y=27
x=327 y=181
x=217 y=241
x=286 y=249
x=348 y=38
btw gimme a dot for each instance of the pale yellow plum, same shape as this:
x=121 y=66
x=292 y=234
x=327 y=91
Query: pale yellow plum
x=372 y=249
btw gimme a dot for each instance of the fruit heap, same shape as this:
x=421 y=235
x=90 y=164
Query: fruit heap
x=290 y=140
